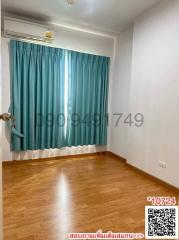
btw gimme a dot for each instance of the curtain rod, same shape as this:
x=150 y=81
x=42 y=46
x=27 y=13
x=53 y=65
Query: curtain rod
x=53 y=45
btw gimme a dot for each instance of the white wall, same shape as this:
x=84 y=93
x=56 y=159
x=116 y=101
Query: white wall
x=64 y=38
x=83 y=41
x=120 y=93
x=147 y=81
x=1 y=230
x=155 y=92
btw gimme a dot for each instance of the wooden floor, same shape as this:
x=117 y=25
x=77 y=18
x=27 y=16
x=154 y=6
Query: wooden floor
x=48 y=199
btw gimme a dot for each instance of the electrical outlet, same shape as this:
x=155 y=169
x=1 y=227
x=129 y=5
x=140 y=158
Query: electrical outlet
x=162 y=164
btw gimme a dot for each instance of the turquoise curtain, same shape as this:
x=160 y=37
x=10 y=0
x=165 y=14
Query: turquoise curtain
x=58 y=97
x=88 y=77
x=37 y=96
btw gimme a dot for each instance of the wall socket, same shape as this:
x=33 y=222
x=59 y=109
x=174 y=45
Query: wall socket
x=162 y=164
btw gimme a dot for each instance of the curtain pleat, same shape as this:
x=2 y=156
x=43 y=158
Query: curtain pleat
x=40 y=76
x=37 y=95
x=88 y=77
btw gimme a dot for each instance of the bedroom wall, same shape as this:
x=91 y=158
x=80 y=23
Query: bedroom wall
x=147 y=81
x=154 y=92
x=1 y=214
x=64 y=38
x=120 y=94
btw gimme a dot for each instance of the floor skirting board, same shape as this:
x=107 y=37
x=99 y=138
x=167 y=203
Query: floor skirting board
x=171 y=187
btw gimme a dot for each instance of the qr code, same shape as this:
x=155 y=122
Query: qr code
x=161 y=222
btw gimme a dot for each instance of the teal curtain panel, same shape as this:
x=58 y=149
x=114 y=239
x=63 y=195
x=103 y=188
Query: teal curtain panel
x=37 y=96
x=58 y=97
x=88 y=77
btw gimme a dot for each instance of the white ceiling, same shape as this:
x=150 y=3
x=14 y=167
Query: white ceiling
x=104 y=15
